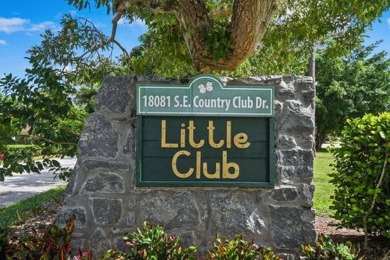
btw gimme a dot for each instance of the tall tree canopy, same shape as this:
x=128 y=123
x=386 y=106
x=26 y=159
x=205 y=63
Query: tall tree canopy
x=350 y=86
x=219 y=35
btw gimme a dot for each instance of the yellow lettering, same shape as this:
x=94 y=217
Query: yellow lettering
x=183 y=136
x=215 y=175
x=174 y=165
x=228 y=165
x=198 y=164
x=211 y=129
x=192 y=142
x=228 y=134
x=164 y=143
x=241 y=141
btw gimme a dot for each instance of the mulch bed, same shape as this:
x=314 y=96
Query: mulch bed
x=378 y=248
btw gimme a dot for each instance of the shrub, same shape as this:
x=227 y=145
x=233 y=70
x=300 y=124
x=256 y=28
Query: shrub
x=152 y=243
x=47 y=242
x=5 y=245
x=238 y=249
x=362 y=177
x=326 y=248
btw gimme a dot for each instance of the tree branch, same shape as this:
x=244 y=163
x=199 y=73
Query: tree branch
x=195 y=24
x=50 y=141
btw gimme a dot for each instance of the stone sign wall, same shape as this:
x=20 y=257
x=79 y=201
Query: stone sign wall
x=103 y=196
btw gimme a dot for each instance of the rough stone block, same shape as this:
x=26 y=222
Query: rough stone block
x=99 y=242
x=285 y=194
x=286 y=142
x=130 y=221
x=170 y=209
x=306 y=194
x=71 y=187
x=278 y=112
x=292 y=226
x=293 y=173
x=116 y=95
x=235 y=213
x=78 y=214
x=184 y=218
x=98 y=164
x=129 y=146
x=306 y=80
x=104 y=183
x=305 y=141
x=308 y=94
x=295 y=157
x=298 y=119
x=99 y=138
x=107 y=211
x=285 y=90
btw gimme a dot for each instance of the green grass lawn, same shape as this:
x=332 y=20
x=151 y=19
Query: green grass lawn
x=17 y=213
x=323 y=187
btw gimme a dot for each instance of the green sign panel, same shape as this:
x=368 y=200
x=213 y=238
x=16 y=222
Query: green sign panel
x=205 y=95
x=225 y=144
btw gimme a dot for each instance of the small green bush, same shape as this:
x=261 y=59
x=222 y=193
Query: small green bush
x=239 y=249
x=362 y=175
x=152 y=243
x=326 y=248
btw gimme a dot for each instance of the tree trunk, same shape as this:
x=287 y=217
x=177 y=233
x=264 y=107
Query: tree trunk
x=249 y=22
x=245 y=28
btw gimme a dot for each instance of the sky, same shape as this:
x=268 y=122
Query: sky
x=23 y=21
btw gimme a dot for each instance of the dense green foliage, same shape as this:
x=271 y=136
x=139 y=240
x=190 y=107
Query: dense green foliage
x=38 y=111
x=47 y=107
x=47 y=242
x=239 y=249
x=362 y=175
x=152 y=242
x=326 y=248
x=350 y=86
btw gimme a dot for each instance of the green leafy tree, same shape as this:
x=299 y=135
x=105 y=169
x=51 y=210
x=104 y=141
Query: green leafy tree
x=40 y=104
x=39 y=109
x=350 y=86
x=85 y=97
